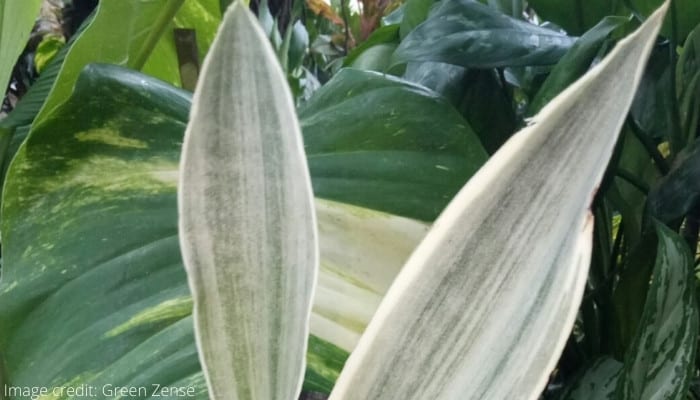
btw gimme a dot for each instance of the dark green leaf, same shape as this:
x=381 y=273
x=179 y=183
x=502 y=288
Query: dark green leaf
x=470 y=34
x=487 y=106
x=575 y=62
x=577 y=16
x=597 y=382
x=369 y=143
x=651 y=104
x=385 y=35
x=679 y=191
x=687 y=14
x=93 y=284
x=660 y=362
x=414 y=13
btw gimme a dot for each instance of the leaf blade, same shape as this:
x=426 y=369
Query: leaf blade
x=247 y=225
x=468 y=333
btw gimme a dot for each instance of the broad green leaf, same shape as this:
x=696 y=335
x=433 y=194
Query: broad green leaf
x=16 y=22
x=376 y=58
x=471 y=34
x=92 y=280
x=414 y=13
x=484 y=305
x=247 y=224
x=137 y=24
x=575 y=62
x=370 y=143
x=661 y=361
x=577 y=16
x=91 y=226
x=387 y=35
x=447 y=79
x=598 y=382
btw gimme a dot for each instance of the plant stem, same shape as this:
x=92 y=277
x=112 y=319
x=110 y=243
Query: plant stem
x=659 y=160
x=159 y=25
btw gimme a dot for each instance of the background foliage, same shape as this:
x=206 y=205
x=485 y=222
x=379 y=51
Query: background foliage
x=386 y=90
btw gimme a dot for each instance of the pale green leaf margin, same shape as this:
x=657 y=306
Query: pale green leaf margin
x=484 y=306
x=247 y=223
x=17 y=19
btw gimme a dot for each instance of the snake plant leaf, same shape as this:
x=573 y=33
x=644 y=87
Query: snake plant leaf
x=16 y=22
x=483 y=307
x=471 y=34
x=661 y=359
x=247 y=223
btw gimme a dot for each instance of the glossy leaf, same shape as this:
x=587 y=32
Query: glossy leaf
x=385 y=35
x=386 y=148
x=247 y=225
x=460 y=328
x=16 y=22
x=121 y=165
x=661 y=360
x=575 y=62
x=414 y=13
x=471 y=34
x=100 y=298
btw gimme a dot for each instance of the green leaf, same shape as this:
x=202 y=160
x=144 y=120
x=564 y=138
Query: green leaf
x=485 y=304
x=687 y=15
x=414 y=13
x=92 y=281
x=385 y=35
x=575 y=62
x=247 y=224
x=661 y=360
x=598 y=382
x=147 y=20
x=688 y=84
x=370 y=144
x=122 y=269
x=678 y=192
x=470 y=34
x=16 y=22
x=577 y=16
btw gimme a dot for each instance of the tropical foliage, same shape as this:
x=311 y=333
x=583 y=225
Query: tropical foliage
x=343 y=162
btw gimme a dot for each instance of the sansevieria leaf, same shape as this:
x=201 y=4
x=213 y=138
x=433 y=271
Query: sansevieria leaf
x=484 y=306
x=247 y=224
